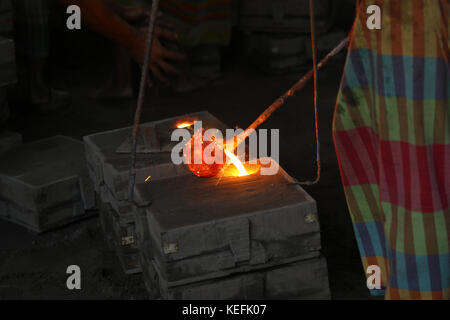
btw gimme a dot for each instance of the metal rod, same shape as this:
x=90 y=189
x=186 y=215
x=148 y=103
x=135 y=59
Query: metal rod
x=281 y=100
x=316 y=114
x=137 y=114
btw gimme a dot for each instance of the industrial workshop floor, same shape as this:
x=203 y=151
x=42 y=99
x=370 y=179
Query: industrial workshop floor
x=35 y=266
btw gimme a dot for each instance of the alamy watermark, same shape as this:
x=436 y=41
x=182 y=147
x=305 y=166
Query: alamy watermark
x=258 y=143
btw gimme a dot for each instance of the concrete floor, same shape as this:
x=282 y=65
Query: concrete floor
x=34 y=266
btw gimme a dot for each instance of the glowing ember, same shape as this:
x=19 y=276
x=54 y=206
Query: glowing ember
x=202 y=169
x=184 y=125
x=237 y=163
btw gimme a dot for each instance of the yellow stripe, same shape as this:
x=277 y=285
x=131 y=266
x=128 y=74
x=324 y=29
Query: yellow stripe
x=431 y=27
x=386 y=35
x=407 y=27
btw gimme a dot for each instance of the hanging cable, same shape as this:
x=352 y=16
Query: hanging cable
x=316 y=113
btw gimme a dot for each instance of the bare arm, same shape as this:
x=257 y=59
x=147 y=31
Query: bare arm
x=105 y=21
x=102 y=19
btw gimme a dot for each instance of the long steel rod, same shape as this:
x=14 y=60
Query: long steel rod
x=316 y=113
x=140 y=102
x=281 y=100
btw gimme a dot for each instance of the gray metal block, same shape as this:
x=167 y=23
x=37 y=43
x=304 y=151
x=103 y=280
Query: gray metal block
x=108 y=167
x=94 y=167
x=149 y=275
x=9 y=140
x=221 y=264
x=119 y=232
x=118 y=224
x=121 y=207
x=106 y=223
x=109 y=172
x=7 y=62
x=141 y=230
x=45 y=220
x=46 y=174
x=306 y=279
x=199 y=228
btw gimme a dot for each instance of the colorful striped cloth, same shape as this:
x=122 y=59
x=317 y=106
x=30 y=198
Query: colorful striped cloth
x=391 y=131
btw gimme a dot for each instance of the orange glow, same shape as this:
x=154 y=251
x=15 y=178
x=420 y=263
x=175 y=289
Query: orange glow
x=237 y=163
x=208 y=167
x=184 y=125
x=203 y=169
x=232 y=171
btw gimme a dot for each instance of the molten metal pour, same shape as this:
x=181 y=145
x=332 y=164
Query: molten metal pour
x=209 y=170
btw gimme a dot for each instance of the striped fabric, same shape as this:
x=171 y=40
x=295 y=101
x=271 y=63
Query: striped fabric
x=391 y=132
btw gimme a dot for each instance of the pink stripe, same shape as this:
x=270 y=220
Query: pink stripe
x=355 y=157
x=346 y=167
x=364 y=149
x=422 y=182
x=435 y=196
x=414 y=177
x=390 y=166
x=414 y=190
x=426 y=197
x=370 y=140
x=442 y=173
x=406 y=175
x=356 y=170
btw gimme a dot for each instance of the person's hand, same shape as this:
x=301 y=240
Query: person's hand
x=161 y=59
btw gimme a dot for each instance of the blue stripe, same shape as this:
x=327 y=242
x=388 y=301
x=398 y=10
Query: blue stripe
x=370 y=242
x=424 y=77
x=377 y=292
x=383 y=239
x=418 y=272
x=434 y=272
x=376 y=238
x=359 y=235
x=423 y=273
x=411 y=271
x=401 y=278
x=444 y=263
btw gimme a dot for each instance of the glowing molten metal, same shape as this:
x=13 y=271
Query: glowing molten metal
x=184 y=125
x=237 y=163
x=208 y=167
x=202 y=169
